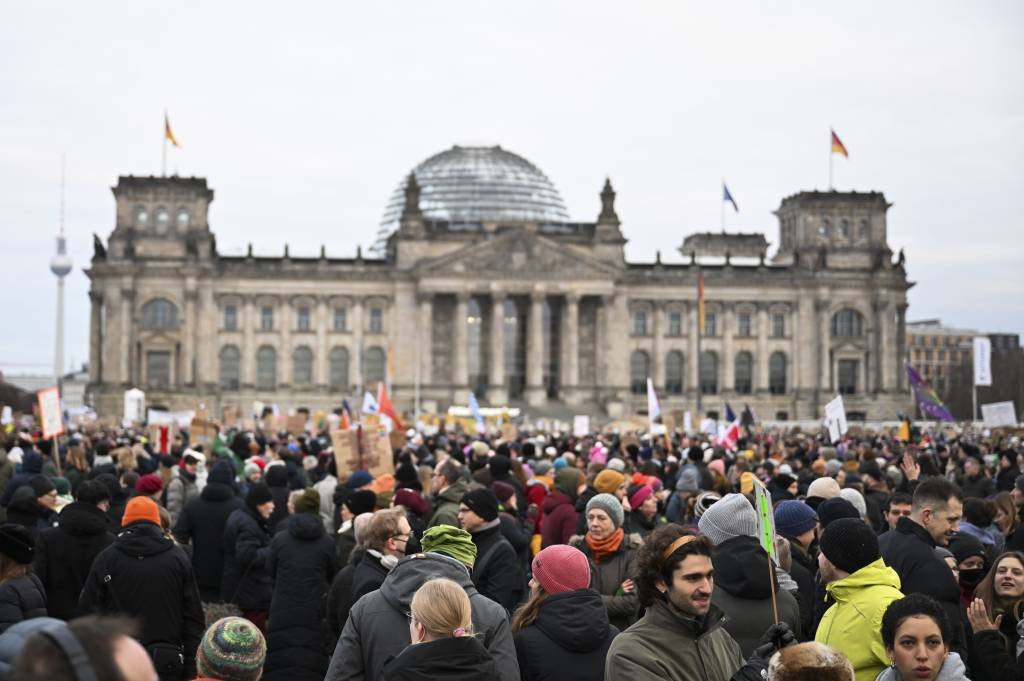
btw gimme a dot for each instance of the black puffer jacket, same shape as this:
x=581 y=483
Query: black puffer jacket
x=144 y=575
x=743 y=591
x=21 y=598
x=497 y=573
x=246 y=547
x=202 y=524
x=568 y=641
x=910 y=551
x=301 y=565
x=446 y=659
x=64 y=555
x=276 y=478
x=24 y=510
x=370 y=573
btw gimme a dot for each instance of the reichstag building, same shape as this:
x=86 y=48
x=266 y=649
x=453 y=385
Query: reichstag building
x=483 y=283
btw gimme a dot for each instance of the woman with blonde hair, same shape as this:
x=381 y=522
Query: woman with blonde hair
x=76 y=468
x=443 y=646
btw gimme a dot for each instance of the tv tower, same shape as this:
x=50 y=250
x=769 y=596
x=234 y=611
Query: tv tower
x=61 y=266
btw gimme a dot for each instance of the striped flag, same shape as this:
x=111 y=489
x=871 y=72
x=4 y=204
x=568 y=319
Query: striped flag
x=837 y=145
x=168 y=135
x=727 y=197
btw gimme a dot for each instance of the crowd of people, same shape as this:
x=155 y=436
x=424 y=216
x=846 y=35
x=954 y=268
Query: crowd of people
x=544 y=556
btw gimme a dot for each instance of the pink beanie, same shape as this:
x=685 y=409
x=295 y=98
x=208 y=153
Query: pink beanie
x=718 y=465
x=560 y=568
x=640 y=496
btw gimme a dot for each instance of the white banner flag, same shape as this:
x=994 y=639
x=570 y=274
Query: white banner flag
x=982 y=360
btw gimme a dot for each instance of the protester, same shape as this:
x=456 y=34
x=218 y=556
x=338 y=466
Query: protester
x=496 y=571
x=33 y=505
x=339 y=596
x=443 y=646
x=377 y=627
x=183 y=488
x=811 y=661
x=448 y=489
x=798 y=523
x=232 y=649
x=915 y=633
x=612 y=556
x=562 y=632
x=385 y=542
x=65 y=553
x=22 y=595
x=246 y=546
x=155 y=584
x=999 y=606
x=643 y=518
x=560 y=516
x=680 y=637
x=276 y=477
x=970 y=562
x=899 y=506
x=862 y=587
x=301 y=565
x=109 y=651
x=354 y=504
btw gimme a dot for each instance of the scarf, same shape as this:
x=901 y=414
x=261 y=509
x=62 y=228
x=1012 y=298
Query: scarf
x=604 y=547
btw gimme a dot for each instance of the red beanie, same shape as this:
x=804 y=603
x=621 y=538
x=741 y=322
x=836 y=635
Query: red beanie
x=560 y=568
x=640 y=496
x=141 y=509
x=149 y=484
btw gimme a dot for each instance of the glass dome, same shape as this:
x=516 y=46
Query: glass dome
x=478 y=184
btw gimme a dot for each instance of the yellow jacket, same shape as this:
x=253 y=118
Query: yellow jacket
x=853 y=624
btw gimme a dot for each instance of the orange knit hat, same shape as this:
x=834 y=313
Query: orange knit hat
x=141 y=509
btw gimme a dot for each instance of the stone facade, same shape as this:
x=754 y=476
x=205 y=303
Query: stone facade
x=534 y=313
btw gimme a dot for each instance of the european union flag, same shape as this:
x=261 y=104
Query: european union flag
x=726 y=196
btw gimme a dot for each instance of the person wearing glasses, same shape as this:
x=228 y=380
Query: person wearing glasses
x=387 y=537
x=34 y=505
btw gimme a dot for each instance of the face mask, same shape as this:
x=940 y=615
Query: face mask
x=413 y=545
x=972 y=577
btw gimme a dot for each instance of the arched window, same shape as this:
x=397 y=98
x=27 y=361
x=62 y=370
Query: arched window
x=141 y=216
x=777 y=373
x=375 y=367
x=338 y=360
x=674 y=373
x=182 y=219
x=744 y=373
x=825 y=227
x=266 y=368
x=639 y=370
x=847 y=323
x=230 y=367
x=708 y=373
x=159 y=314
x=302 y=366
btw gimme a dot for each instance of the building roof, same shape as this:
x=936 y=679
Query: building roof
x=480 y=184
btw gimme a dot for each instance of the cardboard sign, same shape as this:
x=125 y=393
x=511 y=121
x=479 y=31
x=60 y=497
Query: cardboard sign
x=581 y=425
x=509 y=432
x=346 y=451
x=380 y=459
x=628 y=440
x=999 y=414
x=296 y=425
x=232 y=415
x=396 y=439
x=49 y=412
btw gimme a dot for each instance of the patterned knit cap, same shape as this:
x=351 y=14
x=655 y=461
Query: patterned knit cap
x=232 y=649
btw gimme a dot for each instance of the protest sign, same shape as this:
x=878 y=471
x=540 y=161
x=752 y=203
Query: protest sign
x=49 y=412
x=296 y=424
x=581 y=425
x=346 y=452
x=134 y=406
x=835 y=418
x=765 y=520
x=999 y=414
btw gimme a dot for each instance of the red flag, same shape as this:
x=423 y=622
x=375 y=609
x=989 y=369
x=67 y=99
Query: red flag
x=346 y=423
x=385 y=407
x=731 y=436
x=164 y=440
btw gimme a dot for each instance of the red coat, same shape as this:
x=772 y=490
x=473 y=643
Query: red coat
x=560 y=518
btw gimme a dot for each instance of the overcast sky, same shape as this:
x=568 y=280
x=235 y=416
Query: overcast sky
x=305 y=116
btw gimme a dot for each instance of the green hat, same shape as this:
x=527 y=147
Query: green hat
x=309 y=502
x=232 y=648
x=451 y=541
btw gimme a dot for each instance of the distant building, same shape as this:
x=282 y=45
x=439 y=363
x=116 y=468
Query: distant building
x=938 y=351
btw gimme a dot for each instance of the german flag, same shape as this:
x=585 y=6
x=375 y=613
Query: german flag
x=169 y=136
x=837 y=145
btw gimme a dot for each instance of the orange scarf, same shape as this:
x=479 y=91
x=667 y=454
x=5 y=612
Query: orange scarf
x=605 y=547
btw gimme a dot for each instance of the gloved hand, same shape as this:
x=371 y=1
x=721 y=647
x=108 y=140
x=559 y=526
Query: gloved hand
x=779 y=635
x=776 y=637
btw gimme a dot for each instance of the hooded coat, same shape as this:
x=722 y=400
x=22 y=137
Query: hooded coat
x=180 y=490
x=498 y=573
x=560 y=519
x=144 y=575
x=339 y=596
x=744 y=593
x=665 y=645
x=246 y=546
x=64 y=555
x=446 y=505
x=21 y=598
x=276 y=478
x=854 y=622
x=301 y=565
x=377 y=627
x=445 y=659
x=568 y=641
x=953 y=669
x=202 y=524
x=24 y=510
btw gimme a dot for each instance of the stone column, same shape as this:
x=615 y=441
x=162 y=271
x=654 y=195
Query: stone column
x=96 y=337
x=426 y=338
x=901 y=347
x=616 y=323
x=571 y=342
x=249 y=322
x=824 y=338
x=658 y=351
x=728 y=356
x=497 y=384
x=761 y=365
x=320 y=366
x=127 y=337
x=886 y=353
x=359 y=350
x=460 y=363
x=692 y=331
x=207 y=336
x=877 y=339
x=535 y=393
x=284 y=361
x=600 y=344
x=188 y=365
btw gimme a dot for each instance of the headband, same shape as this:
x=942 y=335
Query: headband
x=674 y=546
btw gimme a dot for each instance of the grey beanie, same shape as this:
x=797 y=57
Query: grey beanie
x=733 y=516
x=832 y=467
x=857 y=499
x=610 y=505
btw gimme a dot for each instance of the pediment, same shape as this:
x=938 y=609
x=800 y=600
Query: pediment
x=520 y=252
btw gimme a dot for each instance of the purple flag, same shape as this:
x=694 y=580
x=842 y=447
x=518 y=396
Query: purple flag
x=927 y=399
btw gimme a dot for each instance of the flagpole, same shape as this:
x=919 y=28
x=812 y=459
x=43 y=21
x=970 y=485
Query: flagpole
x=830 y=154
x=723 y=212
x=163 y=162
x=697 y=358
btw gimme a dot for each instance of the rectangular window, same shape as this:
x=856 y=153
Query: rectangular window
x=376 y=320
x=340 y=320
x=267 y=318
x=778 y=325
x=158 y=368
x=743 y=325
x=848 y=369
x=928 y=355
x=303 y=319
x=710 y=324
x=230 y=318
x=675 y=323
x=942 y=355
x=639 y=323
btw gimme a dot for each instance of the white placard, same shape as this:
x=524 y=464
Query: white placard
x=999 y=414
x=581 y=425
x=835 y=418
x=49 y=412
x=6 y=415
x=982 y=360
x=183 y=419
x=687 y=422
x=134 y=406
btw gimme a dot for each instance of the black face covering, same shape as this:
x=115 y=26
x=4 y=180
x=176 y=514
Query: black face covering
x=972 y=577
x=413 y=546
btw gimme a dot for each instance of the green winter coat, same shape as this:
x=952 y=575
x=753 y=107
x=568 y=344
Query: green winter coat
x=854 y=623
x=665 y=645
x=446 y=505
